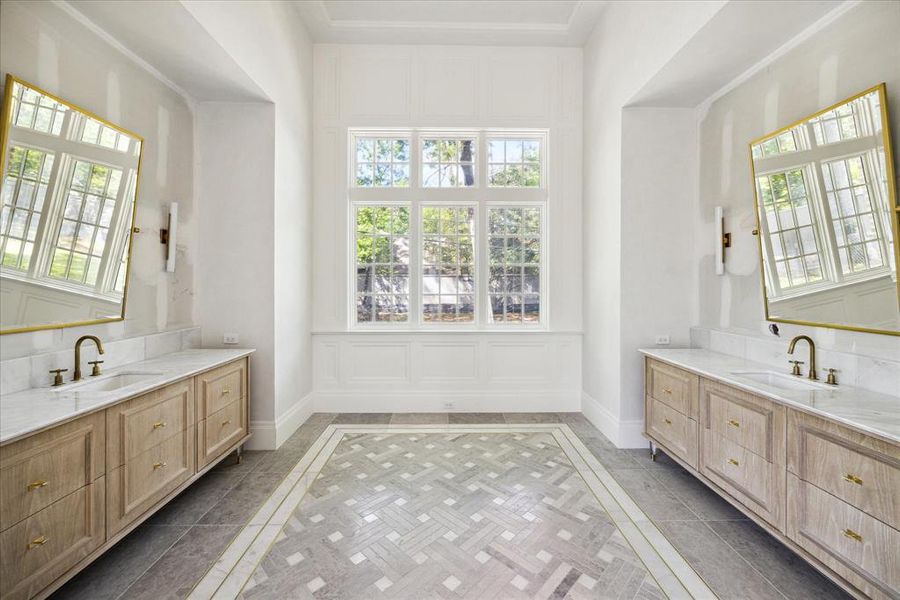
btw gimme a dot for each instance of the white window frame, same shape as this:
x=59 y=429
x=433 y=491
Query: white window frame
x=68 y=148
x=480 y=195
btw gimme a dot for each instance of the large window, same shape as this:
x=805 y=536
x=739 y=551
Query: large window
x=448 y=228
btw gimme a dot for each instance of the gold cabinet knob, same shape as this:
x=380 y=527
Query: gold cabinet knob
x=852 y=535
x=38 y=541
x=37 y=484
x=853 y=479
x=159 y=424
x=159 y=465
x=668 y=422
x=734 y=462
x=733 y=423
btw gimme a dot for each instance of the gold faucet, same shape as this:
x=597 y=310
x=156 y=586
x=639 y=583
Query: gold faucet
x=96 y=340
x=812 y=355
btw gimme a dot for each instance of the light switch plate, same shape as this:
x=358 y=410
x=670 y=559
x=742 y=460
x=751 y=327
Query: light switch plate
x=231 y=338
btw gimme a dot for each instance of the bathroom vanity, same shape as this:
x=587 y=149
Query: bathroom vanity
x=83 y=464
x=817 y=466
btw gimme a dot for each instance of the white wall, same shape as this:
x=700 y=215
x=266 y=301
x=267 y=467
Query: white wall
x=270 y=43
x=853 y=53
x=631 y=43
x=463 y=87
x=41 y=43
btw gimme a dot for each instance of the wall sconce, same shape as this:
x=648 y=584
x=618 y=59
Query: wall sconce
x=723 y=240
x=168 y=237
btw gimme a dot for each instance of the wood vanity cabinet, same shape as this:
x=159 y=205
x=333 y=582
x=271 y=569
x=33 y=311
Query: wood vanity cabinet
x=69 y=493
x=829 y=492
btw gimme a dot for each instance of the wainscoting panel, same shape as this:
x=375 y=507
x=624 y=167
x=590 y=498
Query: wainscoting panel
x=445 y=372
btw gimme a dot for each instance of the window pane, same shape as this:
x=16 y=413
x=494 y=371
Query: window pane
x=382 y=162
x=514 y=162
x=448 y=256
x=792 y=232
x=854 y=218
x=88 y=212
x=33 y=110
x=448 y=162
x=514 y=242
x=382 y=263
x=24 y=187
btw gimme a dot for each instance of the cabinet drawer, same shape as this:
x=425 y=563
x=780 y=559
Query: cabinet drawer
x=220 y=431
x=672 y=386
x=41 y=548
x=146 y=421
x=749 y=421
x=752 y=480
x=40 y=470
x=218 y=388
x=861 y=549
x=856 y=468
x=673 y=430
x=148 y=477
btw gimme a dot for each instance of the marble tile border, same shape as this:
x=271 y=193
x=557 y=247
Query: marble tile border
x=228 y=575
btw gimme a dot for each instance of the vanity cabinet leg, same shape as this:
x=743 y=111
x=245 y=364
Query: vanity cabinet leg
x=240 y=454
x=654 y=450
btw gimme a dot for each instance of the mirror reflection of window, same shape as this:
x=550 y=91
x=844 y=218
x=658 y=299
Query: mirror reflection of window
x=825 y=200
x=68 y=191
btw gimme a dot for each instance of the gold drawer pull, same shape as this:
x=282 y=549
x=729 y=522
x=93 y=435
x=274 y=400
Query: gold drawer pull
x=852 y=535
x=159 y=465
x=668 y=422
x=38 y=541
x=159 y=424
x=226 y=390
x=734 y=462
x=733 y=423
x=226 y=422
x=667 y=391
x=853 y=479
x=37 y=484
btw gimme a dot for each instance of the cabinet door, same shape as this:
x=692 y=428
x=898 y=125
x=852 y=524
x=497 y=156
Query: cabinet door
x=220 y=431
x=41 y=469
x=673 y=430
x=219 y=387
x=144 y=422
x=147 y=478
x=857 y=468
x=859 y=548
x=745 y=419
x=672 y=386
x=47 y=544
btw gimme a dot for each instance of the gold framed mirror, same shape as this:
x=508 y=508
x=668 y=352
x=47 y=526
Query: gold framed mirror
x=827 y=218
x=69 y=192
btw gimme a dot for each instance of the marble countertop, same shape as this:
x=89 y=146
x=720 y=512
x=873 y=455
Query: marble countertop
x=26 y=412
x=870 y=412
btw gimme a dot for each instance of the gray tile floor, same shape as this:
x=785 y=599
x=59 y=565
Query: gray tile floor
x=169 y=553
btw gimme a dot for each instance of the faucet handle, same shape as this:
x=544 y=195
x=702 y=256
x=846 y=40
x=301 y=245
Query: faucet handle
x=832 y=378
x=57 y=376
x=96 y=370
x=796 y=369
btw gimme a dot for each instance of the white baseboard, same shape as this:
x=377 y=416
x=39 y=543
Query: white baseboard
x=269 y=435
x=624 y=434
x=464 y=401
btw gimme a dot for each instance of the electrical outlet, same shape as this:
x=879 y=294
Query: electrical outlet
x=662 y=340
x=231 y=338
x=448 y=406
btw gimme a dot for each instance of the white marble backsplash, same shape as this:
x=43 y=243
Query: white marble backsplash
x=878 y=372
x=19 y=374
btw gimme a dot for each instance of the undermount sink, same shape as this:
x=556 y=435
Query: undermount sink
x=780 y=380
x=115 y=382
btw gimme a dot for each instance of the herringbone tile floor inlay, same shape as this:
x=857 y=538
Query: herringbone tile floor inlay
x=450 y=515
